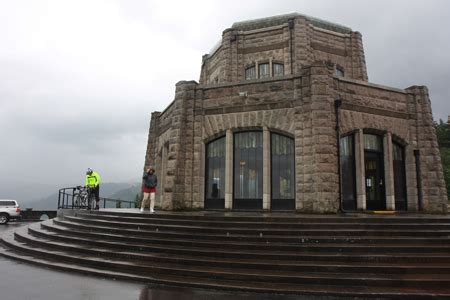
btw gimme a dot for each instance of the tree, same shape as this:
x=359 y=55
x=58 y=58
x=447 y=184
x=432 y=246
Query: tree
x=443 y=136
x=137 y=200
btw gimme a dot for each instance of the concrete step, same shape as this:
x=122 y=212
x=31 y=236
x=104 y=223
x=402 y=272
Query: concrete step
x=296 y=223
x=244 y=275
x=407 y=257
x=208 y=216
x=124 y=251
x=381 y=230
x=313 y=290
x=262 y=250
x=267 y=239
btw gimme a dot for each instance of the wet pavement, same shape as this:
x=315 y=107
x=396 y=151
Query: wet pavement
x=19 y=281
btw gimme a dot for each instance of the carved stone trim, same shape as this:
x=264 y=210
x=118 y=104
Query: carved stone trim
x=376 y=111
x=328 y=49
x=275 y=46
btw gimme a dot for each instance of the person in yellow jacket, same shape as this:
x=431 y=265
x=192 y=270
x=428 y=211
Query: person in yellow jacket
x=93 y=183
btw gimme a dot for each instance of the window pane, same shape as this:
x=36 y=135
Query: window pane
x=283 y=166
x=398 y=152
x=250 y=73
x=339 y=72
x=278 y=69
x=248 y=165
x=215 y=172
x=372 y=142
x=399 y=177
x=348 y=172
x=264 y=71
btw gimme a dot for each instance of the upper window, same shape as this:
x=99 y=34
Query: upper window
x=339 y=72
x=278 y=69
x=373 y=142
x=264 y=71
x=250 y=73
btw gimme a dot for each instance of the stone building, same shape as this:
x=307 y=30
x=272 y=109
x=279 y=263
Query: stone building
x=284 y=118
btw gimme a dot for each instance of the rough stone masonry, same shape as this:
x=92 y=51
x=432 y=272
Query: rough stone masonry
x=354 y=145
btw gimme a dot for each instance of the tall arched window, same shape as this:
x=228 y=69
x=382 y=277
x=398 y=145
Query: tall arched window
x=282 y=172
x=348 y=185
x=215 y=174
x=248 y=170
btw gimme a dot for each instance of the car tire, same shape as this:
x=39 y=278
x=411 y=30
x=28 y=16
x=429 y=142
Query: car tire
x=4 y=218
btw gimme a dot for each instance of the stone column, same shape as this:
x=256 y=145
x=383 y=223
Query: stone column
x=389 y=172
x=162 y=175
x=360 y=171
x=266 y=169
x=229 y=169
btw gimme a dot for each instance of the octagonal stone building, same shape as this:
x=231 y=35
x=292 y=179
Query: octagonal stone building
x=284 y=118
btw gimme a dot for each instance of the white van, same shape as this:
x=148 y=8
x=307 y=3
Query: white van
x=9 y=209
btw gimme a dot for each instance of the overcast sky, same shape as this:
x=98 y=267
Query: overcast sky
x=79 y=79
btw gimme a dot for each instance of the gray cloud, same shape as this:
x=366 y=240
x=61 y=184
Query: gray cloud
x=79 y=79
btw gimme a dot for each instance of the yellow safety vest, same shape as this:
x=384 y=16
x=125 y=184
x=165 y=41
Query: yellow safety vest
x=93 y=180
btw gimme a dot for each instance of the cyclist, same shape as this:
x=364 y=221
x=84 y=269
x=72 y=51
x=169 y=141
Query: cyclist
x=93 y=185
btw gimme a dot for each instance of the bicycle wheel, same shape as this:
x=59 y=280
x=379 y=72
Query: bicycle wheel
x=76 y=200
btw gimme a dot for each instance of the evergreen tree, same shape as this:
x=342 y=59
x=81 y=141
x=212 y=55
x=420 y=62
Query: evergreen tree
x=137 y=200
x=443 y=136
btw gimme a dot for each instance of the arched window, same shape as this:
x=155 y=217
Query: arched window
x=215 y=174
x=282 y=172
x=250 y=73
x=248 y=170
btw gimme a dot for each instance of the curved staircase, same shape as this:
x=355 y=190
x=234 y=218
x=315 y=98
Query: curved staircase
x=354 y=256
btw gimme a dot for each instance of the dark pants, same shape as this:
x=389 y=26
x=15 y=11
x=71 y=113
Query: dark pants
x=94 y=193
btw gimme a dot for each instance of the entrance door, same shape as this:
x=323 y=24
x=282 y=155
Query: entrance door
x=248 y=170
x=375 y=196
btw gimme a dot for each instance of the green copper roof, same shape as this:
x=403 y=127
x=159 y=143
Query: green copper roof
x=282 y=19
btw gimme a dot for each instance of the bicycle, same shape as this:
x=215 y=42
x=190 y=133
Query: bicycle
x=83 y=197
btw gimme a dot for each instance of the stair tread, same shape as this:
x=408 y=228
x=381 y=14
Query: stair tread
x=334 y=245
x=107 y=249
x=205 y=249
x=295 y=238
x=73 y=221
x=247 y=286
x=299 y=221
x=344 y=260
x=334 y=225
x=246 y=272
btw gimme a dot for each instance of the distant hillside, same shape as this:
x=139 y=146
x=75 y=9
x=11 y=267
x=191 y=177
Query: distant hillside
x=108 y=190
x=128 y=194
x=26 y=193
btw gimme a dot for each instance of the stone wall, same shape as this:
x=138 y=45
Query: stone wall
x=300 y=104
x=296 y=45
